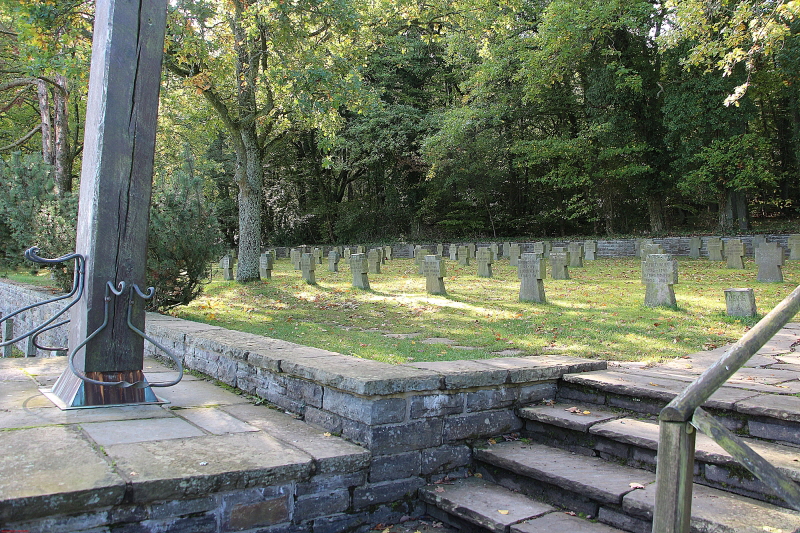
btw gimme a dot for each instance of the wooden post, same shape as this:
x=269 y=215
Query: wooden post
x=115 y=190
x=674 y=473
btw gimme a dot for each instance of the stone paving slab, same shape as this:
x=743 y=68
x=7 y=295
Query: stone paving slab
x=769 y=380
x=543 y=367
x=716 y=511
x=780 y=407
x=178 y=468
x=463 y=374
x=559 y=415
x=559 y=522
x=22 y=395
x=331 y=453
x=198 y=393
x=127 y=431
x=53 y=470
x=589 y=476
x=52 y=415
x=484 y=504
x=214 y=420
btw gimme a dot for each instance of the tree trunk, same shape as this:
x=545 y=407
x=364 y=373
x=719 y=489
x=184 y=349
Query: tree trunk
x=47 y=127
x=63 y=154
x=655 y=209
x=250 y=184
x=741 y=216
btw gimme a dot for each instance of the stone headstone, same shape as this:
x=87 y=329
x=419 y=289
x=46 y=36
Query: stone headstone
x=531 y=271
x=463 y=256
x=308 y=266
x=333 y=261
x=769 y=258
x=453 y=249
x=757 y=241
x=358 y=267
x=506 y=249
x=317 y=255
x=387 y=252
x=374 y=261
x=638 y=244
x=590 y=250
x=294 y=257
x=659 y=274
x=575 y=250
x=347 y=253
x=440 y=250
x=419 y=257
x=472 y=250
x=434 y=271
x=495 y=250
x=542 y=248
x=265 y=263
x=360 y=250
x=418 y=251
x=514 y=252
x=734 y=252
x=559 y=263
x=794 y=247
x=226 y=265
x=651 y=248
x=715 y=249
x=485 y=258
x=740 y=302
x=695 y=243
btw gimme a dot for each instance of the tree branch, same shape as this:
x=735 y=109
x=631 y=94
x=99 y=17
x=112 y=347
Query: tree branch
x=21 y=140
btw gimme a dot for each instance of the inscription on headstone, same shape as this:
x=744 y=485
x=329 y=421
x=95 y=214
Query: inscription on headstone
x=308 y=268
x=794 y=247
x=590 y=250
x=575 y=250
x=659 y=274
x=514 y=252
x=374 y=261
x=358 y=267
x=715 y=249
x=740 y=302
x=265 y=266
x=434 y=271
x=531 y=271
x=769 y=258
x=559 y=263
x=333 y=261
x=734 y=253
x=463 y=256
x=695 y=243
x=485 y=258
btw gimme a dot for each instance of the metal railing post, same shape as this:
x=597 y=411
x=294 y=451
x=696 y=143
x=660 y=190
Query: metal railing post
x=674 y=475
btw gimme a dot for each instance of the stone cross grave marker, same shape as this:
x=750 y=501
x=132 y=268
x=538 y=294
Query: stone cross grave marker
x=347 y=253
x=575 y=250
x=374 y=261
x=294 y=256
x=226 y=264
x=740 y=302
x=360 y=250
x=434 y=271
x=757 y=241
x=473 y=249
x=695 y=243
x=318 y=253
x=794 y=247
x=308 y=267
x=769 y=258
x=531 y=270
x=715 y=249
x=514 y=252
x=659 y=274
x=358 y=267
x=440 y=249
x=463 y=256
x=419 y=257
x=590 y=250
x=638 y=244
x=333 y=261
x=485 y=258
x=265 y=263
x=453 y=249
x=734 y=252
x=495 y=250
x=506 y=249
x=559 y=263
x=651 y=248
x=387 y=253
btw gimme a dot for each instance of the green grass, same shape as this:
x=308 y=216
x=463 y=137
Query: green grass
x=598 y=313
x=32 y=277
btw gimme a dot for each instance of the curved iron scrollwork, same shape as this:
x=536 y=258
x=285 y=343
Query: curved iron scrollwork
x=78 y=285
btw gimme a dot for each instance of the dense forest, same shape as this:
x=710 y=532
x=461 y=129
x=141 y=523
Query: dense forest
x=340 y=121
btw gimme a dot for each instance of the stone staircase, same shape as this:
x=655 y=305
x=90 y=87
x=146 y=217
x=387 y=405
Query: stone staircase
x=587 y=462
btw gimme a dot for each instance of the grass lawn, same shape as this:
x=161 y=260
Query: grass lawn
x=598 y=313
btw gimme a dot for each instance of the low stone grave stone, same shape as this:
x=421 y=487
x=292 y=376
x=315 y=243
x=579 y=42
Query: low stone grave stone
x=575 y=250
x=419 y=257
x=740 y=302
x=308 y=266
x=734 y=254
x=794 y=247
x=559 y=263
x=434 y=270
x=651 y=248
x=317 y=255
x=542 y=248
x=473 y=250
x=265 y=266
x=485 y=258
x=638 y=244
x=358 y=267
x=695 y=243
x=453 y=250
x=333 y=261
x=360 y=249
x=463 y=256
x=590 y=250
x=226 y=264
x=347 y=253
x=495 y=250
x=294 y=257
x=659 y=274
x=506 y=249
x=715 y=249
x=531 y=271
x=387 y=253
x=757 y=241
x=769 y=258
x=374 y=261
x=440 y=250
x=513 y=255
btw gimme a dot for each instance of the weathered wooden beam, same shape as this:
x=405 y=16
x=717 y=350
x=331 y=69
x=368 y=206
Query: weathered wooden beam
x=674 y=473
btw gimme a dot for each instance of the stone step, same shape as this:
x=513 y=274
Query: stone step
x=474 y=504
x=617 y=438
x=613 y=493
x=773 y=414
